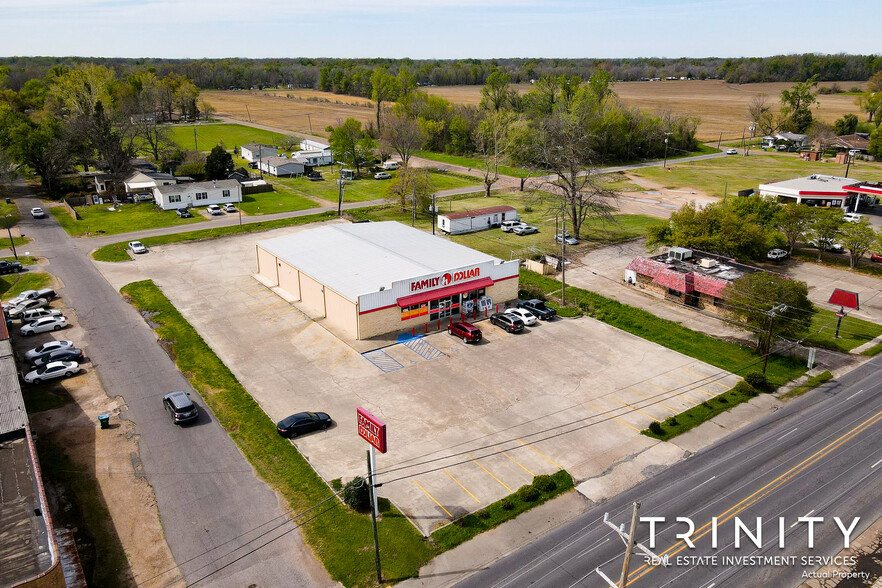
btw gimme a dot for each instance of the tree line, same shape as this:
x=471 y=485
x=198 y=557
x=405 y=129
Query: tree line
x=352 y=76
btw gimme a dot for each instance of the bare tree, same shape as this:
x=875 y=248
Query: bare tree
x=822 y=134
x=563 y=148
x=402 y=135
x=760 y=112
x=490 y=143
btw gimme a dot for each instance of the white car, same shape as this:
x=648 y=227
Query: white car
x=214 y=209
x=828 y=246
x=137 y=247
x=567 y=237
x=38 y=212
x=19 y=309
x=731 y=152
x=525 y=230
x=30 y=316
x=55 y=369
x=776 y=254
x=509 y=225
x=229 y=207
x=46 y=348
x=26 y=295
x=525 y=315
x=44 y=325
x=382 y=176
x=852 y=217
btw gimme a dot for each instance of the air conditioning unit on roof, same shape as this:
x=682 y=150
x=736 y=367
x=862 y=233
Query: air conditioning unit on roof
x=707 y=262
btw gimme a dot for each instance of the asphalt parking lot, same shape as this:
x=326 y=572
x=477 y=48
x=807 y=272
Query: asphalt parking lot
x=470 y=400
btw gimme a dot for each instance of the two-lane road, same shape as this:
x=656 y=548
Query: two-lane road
x=819 y=456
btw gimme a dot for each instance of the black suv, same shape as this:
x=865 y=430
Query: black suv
x=183 y=213
x=538 y=308
x=10 y=267
x=509 y=322
x=180 y=406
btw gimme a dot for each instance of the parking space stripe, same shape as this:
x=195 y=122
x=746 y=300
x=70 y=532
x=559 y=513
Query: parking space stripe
x=627 y=424
x=420 y=486
x=460 y=485
x=540 y=454
x=517 y=462
x=504 y=485
x=662 y=404
x=652 y=418
x=684 y=382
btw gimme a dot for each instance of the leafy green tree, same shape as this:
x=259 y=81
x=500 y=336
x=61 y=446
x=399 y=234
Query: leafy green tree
x=871 y=103
x=384 y=88
x=461 y=132
x=351 y=145
x=793 y=220
x=410 y=183
x=42 y=148
x=497 y=93
x=218 y=163
x=491 y=140
x=751 y=297
x=857 y=237
x=192 y=165
x=875 y=146
x=846 y=125
x=796 y=104
x=825 y=227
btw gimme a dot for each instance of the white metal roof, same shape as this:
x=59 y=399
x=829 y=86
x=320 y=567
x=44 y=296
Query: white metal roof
x=813 y=183
x=360 y=258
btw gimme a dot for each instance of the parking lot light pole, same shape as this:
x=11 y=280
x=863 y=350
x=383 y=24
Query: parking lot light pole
x=665 y=164
x=342 y=183
x=11 y=241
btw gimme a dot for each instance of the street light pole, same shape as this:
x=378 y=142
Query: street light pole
x=665 y=164
x=11 y=241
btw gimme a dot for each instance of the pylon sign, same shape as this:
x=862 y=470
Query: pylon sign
x=371 y=429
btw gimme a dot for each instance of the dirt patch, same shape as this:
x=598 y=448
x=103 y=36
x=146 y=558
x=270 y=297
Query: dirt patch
x=92 y=482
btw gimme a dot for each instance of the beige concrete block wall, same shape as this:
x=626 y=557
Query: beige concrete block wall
x=312 y=295
x=342 y=313
x=289 y=279
x=266 y=266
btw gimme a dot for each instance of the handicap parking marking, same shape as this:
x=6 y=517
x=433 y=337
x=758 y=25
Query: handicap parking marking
x=460 y=484
x=489 y=473
x=420 y=486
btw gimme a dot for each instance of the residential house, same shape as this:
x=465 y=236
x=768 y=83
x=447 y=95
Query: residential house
x=146 y=181
x=283 y=167
x=469 y=221
x=314 y=153
x=175 y=196
x=686 y=276
x=785 y=141
x=856 y=143
x=255 y=151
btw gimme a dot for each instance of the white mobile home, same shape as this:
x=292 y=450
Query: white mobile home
x=197 y=194
x=255 y=151
x=468 y=221
x=314 y=153
x=283 y=167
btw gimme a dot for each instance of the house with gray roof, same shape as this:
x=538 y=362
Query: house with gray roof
x=194 y=194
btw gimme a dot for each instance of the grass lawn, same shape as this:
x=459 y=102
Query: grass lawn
x=711 y=176
x=734 y=358
x=341 y=538
x=14 y=284
x=98 y=219
x=22 y=259
x=231 y=135
x=853 y=332
x=361 y=190
x=282 y=199
x=810 y=384
x=472 y=162
x=117 y=251
x=691 y=418
x=5 y=243
x=12 y=211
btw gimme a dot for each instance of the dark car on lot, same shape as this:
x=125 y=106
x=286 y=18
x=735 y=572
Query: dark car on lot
x=509 y=322
x=538 y=308
x=303 y=422
x=46 y=349
x=10 y=267
x=180 y=406
x=468 y=332
x=71 y=354
x=183 y=213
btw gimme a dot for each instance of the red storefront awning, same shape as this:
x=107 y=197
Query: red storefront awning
x=444 y=292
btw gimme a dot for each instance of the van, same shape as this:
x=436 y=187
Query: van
x=387 y=165
x=509 y=225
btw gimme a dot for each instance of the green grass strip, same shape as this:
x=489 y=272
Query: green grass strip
x=14 y=284
x=342 y=539
x=872 y=351
x=502 y=510
x=854 y=332
x=810 y=384
x=731 y=357
x=117 y=251
x=689 y=419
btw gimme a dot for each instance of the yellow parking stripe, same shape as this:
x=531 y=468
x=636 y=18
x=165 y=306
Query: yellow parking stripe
x=542 y=455
x=517 y=462
x=504 y=485
x=652 y=418
x=616 y=418
x=695 y=387
x=662 y=404
x=420 y=486
x=460 y=485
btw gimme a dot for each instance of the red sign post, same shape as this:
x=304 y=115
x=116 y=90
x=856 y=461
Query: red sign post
x=371 y=429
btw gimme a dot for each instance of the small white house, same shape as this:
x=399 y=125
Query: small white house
x=146 y=181
x=256 y=151
x=468 y=221
x=197 y=194
x=314 y=153
x=283 y=167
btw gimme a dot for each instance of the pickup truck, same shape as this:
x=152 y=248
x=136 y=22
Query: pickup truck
x=10 y=267
x=538 y=308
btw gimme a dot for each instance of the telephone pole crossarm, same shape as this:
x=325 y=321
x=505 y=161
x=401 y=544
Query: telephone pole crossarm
x=630 y=544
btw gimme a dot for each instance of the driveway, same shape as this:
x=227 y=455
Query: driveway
x=442 y=396
x=210 y=500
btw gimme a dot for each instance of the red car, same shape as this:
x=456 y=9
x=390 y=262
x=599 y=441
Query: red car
x=876 y=257
x=468 y=332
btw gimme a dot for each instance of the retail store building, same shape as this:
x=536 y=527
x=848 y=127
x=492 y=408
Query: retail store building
x=369 y=279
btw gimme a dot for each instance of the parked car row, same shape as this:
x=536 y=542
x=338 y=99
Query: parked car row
x=53 y=359
x=513 y=320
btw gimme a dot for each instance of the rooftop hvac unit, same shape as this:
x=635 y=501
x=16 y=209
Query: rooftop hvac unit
x=707 y=262
x=680 y=253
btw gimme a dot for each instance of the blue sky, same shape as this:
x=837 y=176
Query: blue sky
x=433 y=28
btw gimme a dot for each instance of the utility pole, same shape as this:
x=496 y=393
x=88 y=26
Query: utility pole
x=15 y=253
x=720 y=140
x=772 y=313
x=196 y=143
x=433 y=214
x=341 y=183
x=563 y=262
x=413 y=208
x=847 y=163
x=309 y=120
x=630 y=543
x=665 y=164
